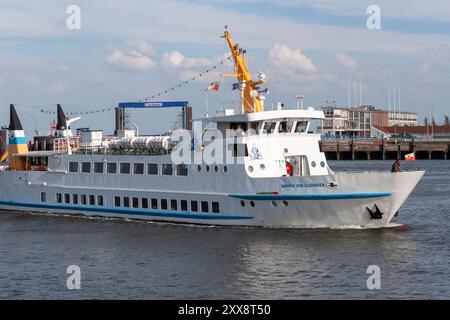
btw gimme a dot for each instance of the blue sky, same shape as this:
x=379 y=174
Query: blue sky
x=128 y=51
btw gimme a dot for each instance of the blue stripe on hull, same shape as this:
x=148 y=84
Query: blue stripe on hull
x=150 y=213
x=329 y=196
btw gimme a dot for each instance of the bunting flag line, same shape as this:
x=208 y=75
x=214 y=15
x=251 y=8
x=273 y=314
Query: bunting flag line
x=181 y=84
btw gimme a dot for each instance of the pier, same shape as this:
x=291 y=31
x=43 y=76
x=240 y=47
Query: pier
x=377 y=149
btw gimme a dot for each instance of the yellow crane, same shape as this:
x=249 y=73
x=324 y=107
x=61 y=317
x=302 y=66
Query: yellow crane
x=252 y=101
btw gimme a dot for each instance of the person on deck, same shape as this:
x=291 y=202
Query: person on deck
x=396 y=166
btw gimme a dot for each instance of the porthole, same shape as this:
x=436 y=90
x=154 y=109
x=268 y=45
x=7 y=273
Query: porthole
x=242 y=203
x=199 y=168
x=250 y=168
x=252 y=204
x=274 y=204
x=322 y=164
x=225 y=168
x=216 y=168
x=285 y=203
x=262 y=166
x=207 y=168
x=313 y=164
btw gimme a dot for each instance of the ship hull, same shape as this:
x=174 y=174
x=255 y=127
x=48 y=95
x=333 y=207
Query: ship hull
x=347 y=200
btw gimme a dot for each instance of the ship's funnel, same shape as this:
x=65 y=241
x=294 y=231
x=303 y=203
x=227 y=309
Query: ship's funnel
x=62 y=120
x=17 y=141
x=14 y=121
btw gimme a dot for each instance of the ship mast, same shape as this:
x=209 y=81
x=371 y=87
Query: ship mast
x=252 y=101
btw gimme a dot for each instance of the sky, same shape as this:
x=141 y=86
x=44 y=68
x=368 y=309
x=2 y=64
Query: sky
x=127 y=51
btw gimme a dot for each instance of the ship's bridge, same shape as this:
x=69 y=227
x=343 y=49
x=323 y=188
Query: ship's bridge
x=272 y=143
x=267 y=122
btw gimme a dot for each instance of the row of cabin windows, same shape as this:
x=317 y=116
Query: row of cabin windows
x=83 y=199
x=134 y=202
x=165 y=169
x=284 y=126
x=165 y=204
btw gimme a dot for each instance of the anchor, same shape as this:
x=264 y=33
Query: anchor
x=377 y=214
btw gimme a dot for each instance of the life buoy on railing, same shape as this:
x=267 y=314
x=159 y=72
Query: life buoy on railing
x=289 y=168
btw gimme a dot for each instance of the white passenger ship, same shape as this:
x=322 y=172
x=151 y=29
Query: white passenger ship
x=276 y=175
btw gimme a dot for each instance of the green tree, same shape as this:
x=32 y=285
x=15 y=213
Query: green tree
x=446 y=120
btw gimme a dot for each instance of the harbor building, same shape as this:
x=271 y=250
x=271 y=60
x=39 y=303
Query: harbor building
x=344 y=122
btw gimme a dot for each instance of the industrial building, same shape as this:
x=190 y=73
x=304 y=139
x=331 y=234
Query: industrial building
x=358 y=122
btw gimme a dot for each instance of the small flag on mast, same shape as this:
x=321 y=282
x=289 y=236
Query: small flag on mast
x=410 y=157
x=4 y=155
x=213 y=86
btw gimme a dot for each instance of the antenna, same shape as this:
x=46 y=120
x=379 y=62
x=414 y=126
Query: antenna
x=389 y=98
x=360 y=93
x=399 y=104
x=395 y=115
x=348 y=93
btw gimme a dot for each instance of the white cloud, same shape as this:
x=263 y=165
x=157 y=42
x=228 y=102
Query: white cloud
x=142 y=46
x=346 y=60
x=284 y=57
x=137 y=58
x=175 y=60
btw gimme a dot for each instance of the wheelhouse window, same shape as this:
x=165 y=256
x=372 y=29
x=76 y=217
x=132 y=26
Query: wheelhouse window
x=269 y=127
x=182 y=170
x=167 y=169
x=86 y=167
x=73 y=166
x=300 y=126
x=111 y=167
x=125 y=168
x=285 y=126
x=138 y=168
x=152 y=168
x=98 y=167
x=254 y=127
